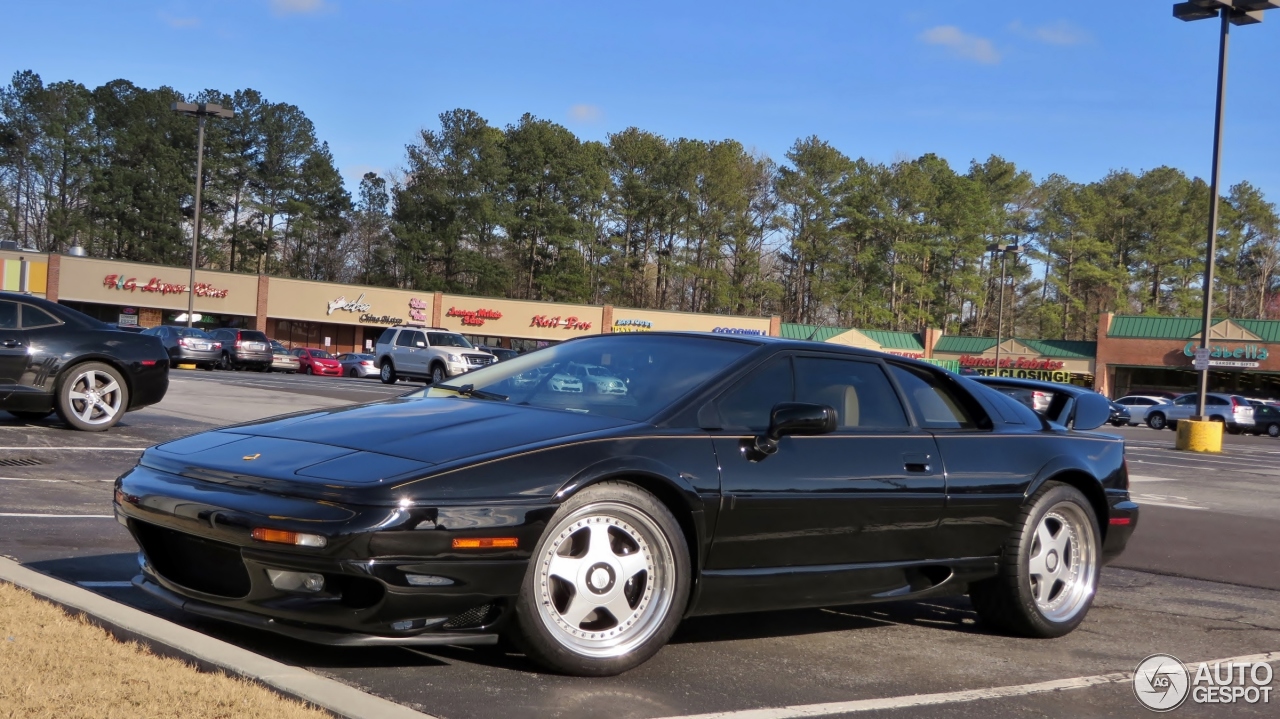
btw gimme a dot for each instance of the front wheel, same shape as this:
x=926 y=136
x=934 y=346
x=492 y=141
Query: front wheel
x=92 y=397
x=607 y=585
x=1048 y=572
x=388 y=373
x=1155 y=421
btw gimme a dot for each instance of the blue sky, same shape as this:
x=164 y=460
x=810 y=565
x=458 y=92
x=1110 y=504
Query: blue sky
x=1073 y=88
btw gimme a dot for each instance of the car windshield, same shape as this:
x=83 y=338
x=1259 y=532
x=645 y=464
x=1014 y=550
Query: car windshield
x=191 y=332
x=447 y=339
x=320 y=354
x=637 y=375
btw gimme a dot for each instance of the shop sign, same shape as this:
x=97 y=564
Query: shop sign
x=128 y=320
x=341 y=303
x=909 y=355
x=474 y=318
x=1247 y=352
x=130 y=284
x=568 y=323
x=1028 y=363
x=738 y=331
x=417 y=310
x=1038 y=374
x=632 y=325
x=381 y=320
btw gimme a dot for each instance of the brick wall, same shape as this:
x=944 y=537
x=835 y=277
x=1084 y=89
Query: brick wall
x=54 y=274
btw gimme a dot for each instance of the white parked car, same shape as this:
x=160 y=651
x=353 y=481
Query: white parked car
x=1232 y=410
x=600 y=379
x=1140 y=404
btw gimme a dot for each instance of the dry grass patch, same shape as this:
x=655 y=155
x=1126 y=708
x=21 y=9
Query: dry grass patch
x=54 y=664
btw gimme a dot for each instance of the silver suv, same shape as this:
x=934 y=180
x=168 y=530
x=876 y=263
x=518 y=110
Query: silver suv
x=426 y=353
x=1232 y=410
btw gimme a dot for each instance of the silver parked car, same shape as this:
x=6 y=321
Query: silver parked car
x=1140 y=404
x=355 y=364
x=1232 y=410
x=282 y=360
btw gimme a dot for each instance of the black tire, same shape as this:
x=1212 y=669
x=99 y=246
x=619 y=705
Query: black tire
x=30 y=416
x=352 y=372
x=225 y=362
x=308 y=370
x=438 y=375
x=207 y=366
x=115 y=395
x=1007 y=601
x=1156 y=420
x=1273 y=430
x=663 y=591
x=387 y=372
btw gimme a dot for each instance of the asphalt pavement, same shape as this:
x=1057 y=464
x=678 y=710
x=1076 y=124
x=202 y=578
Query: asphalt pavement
x=1199 y=581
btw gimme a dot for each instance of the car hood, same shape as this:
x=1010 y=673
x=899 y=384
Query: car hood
x=419 y=431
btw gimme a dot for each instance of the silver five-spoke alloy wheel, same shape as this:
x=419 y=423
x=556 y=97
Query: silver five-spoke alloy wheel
x=605 y=580
x=1062 y=563
x=96 y=397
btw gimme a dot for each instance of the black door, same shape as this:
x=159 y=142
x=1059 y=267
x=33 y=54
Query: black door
x=13 y=348
x=872 y=491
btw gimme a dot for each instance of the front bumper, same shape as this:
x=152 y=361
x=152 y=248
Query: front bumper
x=327 y=370
x=199 y=554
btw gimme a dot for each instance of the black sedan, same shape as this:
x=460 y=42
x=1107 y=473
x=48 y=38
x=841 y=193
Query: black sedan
x=55 y=359
x=736 y=474
x=1266 y=420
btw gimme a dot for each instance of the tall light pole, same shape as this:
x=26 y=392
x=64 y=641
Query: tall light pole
x=202 y=111
x=1004 y=250
x=1231 y=12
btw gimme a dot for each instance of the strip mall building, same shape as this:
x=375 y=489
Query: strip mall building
x=1132 y=355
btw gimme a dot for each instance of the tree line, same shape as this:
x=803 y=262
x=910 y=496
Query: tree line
x=530 y=211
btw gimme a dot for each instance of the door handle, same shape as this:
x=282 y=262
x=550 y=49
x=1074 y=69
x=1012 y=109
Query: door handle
x=916 y=462
x=11 y=343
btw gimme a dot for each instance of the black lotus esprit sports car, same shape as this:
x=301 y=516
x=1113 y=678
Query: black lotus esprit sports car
x=735 y=474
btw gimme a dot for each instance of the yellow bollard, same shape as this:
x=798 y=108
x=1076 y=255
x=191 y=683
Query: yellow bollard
x=1199 y=435
x=187 y=365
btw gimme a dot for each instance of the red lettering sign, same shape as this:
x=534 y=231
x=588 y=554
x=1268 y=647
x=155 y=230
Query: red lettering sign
x=472 y=318
x=568 y=323
x=203 y=289
x=1011 y=362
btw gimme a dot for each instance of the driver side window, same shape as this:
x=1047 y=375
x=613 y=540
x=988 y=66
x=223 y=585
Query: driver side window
x=747 y=405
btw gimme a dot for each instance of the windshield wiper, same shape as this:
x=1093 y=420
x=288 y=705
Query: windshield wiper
x=469 y=390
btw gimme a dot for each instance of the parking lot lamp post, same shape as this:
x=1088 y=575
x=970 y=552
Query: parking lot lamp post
x=1004 y=251
x=1230 y=12
x=202 y=112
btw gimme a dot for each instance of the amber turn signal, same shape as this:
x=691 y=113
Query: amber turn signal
x=280 y=536
x=486 y=543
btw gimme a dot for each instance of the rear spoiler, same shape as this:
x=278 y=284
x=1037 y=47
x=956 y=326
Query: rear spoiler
x=1072 y=405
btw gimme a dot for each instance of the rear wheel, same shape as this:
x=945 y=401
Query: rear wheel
x=308 y=370
x=352 y=372
x=607 y=585
x=1048 y=571
x=1273 y=430
x=1155 y=420
x=92 y=397
x=387 y=373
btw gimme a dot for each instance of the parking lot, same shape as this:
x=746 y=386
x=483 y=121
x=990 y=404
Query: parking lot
x=1199 y=581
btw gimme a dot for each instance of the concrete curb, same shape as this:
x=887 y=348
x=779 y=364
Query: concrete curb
x=170 y=639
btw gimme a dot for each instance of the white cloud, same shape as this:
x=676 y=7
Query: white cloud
x=1060 y=32
x=961 y=44
x=179 y=22
x=585 y=113
x=298 y=7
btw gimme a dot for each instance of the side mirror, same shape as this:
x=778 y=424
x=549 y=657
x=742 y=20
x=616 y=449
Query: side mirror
x=420 y=343
x=1091 y=411
x=795 y=418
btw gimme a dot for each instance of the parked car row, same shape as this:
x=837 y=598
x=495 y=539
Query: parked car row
x=1237 y=413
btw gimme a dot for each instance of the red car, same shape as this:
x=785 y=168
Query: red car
x=314 y=361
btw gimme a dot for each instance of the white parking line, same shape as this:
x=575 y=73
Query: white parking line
x=1137 y=478
x=108 y=585
x=57 y=516
x=921 y=700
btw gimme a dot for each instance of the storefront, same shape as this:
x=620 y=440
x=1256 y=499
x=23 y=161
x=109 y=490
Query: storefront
x=518 y=324
x=1064 y=361
x=1138 y=354
x=23 y=272
x=132 y=293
